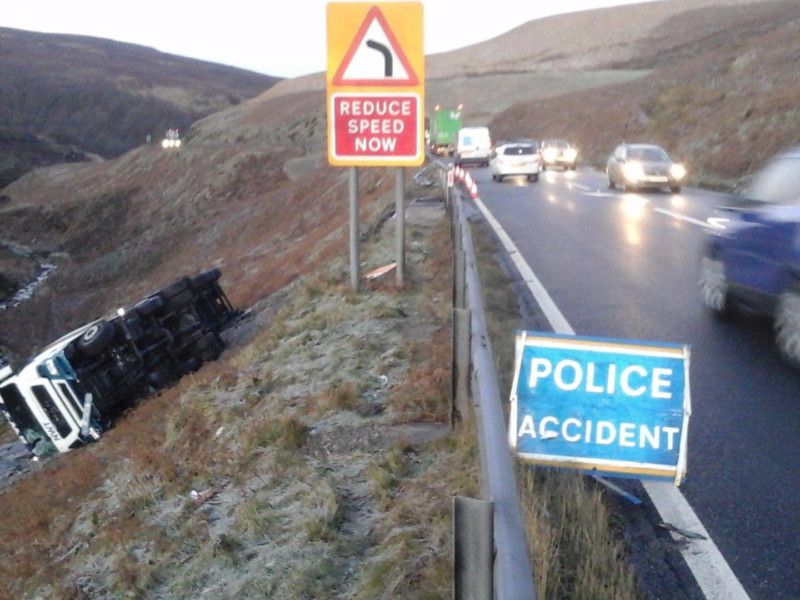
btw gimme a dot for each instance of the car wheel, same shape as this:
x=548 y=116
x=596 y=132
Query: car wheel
x=96 y=338
x=611 y=184
x=787 y=326
x=534 y=178
x=675 y=189
x=714 y=286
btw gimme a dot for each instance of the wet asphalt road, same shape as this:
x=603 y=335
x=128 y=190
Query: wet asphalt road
x=625 y=266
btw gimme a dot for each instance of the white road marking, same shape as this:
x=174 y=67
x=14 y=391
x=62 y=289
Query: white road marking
x=599 y=194
x=681 y=217
x=710 y=569
x=580 y=186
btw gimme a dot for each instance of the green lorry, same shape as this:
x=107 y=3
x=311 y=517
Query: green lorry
x=444 y=126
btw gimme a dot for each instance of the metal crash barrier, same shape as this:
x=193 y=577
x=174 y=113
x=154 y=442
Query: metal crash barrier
x=510 y=571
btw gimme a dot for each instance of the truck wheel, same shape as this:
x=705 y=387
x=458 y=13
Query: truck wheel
x=787 y=326
x=175 y=288
x=209 y=347
x=148 y=306
x=178 y=294
x=206 y=277
x=191 y=365
x=96 y=338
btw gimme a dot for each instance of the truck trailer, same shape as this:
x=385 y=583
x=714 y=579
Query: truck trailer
x=444 y=126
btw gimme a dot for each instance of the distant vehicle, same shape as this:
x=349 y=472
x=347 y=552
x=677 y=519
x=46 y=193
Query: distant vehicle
x=513 y=159
x=172 y=139
x=639 y=166
x=533 y=142
x=751 y=259
x=559 y=153
x=76 y=387
x=473 y=146
x=445 y=124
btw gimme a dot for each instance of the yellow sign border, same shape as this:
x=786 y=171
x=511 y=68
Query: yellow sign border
x=344 y=21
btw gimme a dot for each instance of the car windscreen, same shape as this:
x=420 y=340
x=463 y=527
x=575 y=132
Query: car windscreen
x=560 y=144
x=518 y=150
x=778 y=182
x=647 y=154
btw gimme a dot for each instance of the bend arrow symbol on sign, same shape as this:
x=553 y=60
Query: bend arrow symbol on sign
x=387 y=56
x=359 y=67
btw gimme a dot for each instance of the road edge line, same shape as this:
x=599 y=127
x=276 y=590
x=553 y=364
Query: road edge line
x=712 y=572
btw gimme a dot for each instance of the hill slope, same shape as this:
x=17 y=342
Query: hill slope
x=65 y=97
x=717 y=94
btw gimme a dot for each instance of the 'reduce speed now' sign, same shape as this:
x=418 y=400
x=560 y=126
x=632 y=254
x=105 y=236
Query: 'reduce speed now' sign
x=375 y=84
x=611 y=406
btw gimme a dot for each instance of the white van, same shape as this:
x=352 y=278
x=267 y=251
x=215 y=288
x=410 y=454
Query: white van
x=474 y=146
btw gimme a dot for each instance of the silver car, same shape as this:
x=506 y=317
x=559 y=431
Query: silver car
x=643 y=166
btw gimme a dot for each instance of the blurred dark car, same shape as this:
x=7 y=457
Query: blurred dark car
x=639 y=166
x=751 y=258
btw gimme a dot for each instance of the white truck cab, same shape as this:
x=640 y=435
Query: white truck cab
x=44 y=402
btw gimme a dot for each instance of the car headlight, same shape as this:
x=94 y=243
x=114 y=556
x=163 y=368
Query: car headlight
x=570 y=154
x=633 y=171
x=677 y=171
x=549 y=154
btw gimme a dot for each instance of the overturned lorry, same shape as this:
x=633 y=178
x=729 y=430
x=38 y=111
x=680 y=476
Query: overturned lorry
x=76 y=387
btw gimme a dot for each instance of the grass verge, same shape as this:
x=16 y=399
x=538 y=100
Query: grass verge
x=577 y=553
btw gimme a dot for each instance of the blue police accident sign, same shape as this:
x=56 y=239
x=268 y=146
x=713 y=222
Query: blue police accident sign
x=613 y=406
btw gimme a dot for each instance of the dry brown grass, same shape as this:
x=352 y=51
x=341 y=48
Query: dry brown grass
x=424 y=396
x=412 y=558
x=44 y=507
x=577 y=553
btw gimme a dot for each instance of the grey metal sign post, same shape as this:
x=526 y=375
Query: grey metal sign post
x=400 y=225
x=355 y=271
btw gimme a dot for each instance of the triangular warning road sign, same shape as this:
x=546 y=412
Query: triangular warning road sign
x=375 y=57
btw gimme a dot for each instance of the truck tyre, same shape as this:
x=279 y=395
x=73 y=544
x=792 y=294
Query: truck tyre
x=148 y=306
x=787 y=326
x=209 y=347
x=206 y=277
x=96 y=338
x=176 y=288
x=191 y=365
x=178 y=294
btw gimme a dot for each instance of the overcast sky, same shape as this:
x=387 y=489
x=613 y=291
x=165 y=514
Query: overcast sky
x=284 y=38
